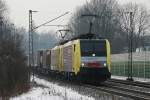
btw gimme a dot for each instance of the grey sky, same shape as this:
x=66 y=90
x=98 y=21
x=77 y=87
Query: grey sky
x=48 y=9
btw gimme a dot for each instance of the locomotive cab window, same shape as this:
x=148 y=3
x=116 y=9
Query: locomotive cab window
x=93 y=47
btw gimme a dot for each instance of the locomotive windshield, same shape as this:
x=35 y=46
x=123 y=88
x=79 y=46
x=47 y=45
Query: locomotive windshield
x=90 y=47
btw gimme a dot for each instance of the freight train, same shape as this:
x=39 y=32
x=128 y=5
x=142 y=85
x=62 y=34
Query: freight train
x=83 y=59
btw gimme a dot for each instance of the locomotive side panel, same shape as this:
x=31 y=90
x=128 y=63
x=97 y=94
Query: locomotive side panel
x=48 y=58
x=40 y=58
x=55 y=59
x=61 y=66
x=44 y=59
x=68 y=58
x=58 y=57
x=76 y=57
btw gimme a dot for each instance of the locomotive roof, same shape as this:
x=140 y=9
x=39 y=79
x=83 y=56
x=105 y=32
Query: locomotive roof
x=87 y=36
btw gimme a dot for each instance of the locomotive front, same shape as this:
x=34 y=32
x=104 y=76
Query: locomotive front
x=95 y=59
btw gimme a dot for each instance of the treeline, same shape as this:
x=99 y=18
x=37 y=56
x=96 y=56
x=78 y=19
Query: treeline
x=14 y=75
x=112 y=21
x=42 y=40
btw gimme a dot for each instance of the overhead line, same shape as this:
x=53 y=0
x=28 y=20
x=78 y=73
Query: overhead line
x=50 y=21
x=56 y=25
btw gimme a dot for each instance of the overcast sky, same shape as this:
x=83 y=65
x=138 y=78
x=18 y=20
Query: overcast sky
x=48 y=9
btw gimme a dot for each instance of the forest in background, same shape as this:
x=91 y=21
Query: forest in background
x=14 y=73
x=112 y=21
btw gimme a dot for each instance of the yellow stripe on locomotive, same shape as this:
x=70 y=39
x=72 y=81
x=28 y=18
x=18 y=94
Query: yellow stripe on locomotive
x=76 y=57
x=108 y=55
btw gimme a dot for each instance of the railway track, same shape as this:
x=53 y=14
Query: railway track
x=119 y=88
x=133 y=90
x=121 y=91
x=133 y=83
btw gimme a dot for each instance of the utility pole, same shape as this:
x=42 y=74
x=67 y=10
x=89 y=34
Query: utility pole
x=31 y=48
x=130 y=64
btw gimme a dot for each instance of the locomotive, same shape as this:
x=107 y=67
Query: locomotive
x=82 y=58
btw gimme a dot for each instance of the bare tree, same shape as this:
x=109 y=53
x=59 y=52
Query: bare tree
x=140 y=20
x=102 y=8
x=112 y=22
x=106 y=24
x=13 y=69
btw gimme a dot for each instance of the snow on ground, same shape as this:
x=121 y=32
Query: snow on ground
x=46 y=90
x=137 y=56
x=135 y=78
x=50 y=91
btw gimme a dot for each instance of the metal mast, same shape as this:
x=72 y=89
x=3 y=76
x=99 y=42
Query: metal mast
x=30 y=38
x=31 y=48
x=130 y=77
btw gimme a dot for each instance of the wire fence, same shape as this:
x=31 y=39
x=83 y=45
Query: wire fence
x=139 y=69
x=140 y=65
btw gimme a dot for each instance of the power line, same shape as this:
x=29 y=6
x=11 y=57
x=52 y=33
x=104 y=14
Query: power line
x=31 y=30
x=50 y=20
x=57 y=25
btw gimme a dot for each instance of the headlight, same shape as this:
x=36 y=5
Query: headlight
x=83 y=64
x=93 y=54
x=105 y=64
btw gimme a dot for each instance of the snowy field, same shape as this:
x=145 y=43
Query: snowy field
x=137 y=56
x=46 y=90
x=135 y=78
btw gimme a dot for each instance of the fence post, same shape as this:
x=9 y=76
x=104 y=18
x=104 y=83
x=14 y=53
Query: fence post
x=138 y=71
x=124 y=68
